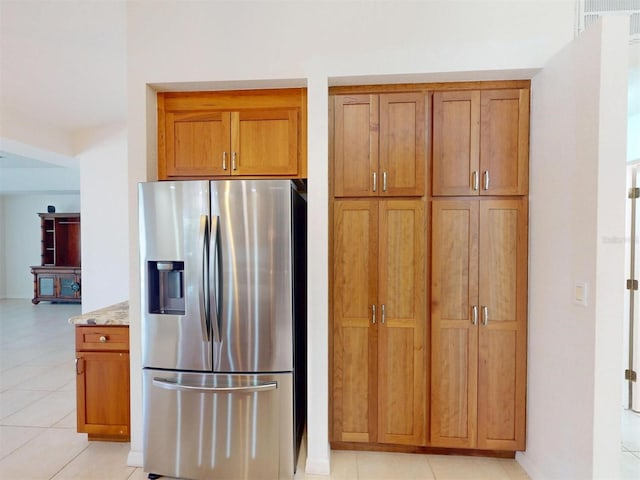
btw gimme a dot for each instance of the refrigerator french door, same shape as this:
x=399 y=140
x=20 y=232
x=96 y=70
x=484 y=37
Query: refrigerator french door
x=223 y=274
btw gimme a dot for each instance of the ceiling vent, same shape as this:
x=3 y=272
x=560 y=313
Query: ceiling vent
x=590 y=10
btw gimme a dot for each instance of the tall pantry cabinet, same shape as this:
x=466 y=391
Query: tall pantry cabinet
x=378 y=270
x=428 y=290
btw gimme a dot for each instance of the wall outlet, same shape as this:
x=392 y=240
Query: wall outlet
x=580 y=293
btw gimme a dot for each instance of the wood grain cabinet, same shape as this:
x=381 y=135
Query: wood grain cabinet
x=378 y=363
x=478 y=322
x=240 y=133
x=58 y=278
x=102 y=382
x=379 y=143
x=481 y=142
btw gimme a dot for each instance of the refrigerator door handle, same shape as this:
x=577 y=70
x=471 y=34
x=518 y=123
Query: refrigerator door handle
x=214 y=275
x=173 y=385
x=203 y=290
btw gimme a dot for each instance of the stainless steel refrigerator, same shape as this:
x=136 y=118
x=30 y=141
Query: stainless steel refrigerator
x=223 y=270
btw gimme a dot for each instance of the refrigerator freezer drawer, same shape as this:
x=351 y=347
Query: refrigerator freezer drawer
x=218 y=426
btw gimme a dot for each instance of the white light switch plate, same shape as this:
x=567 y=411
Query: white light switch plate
x=580 y=292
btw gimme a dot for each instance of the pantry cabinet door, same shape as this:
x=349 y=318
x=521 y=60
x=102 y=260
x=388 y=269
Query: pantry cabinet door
x=356 y=146
x=454 y=323
x=402 y=144
x=503 y=329
x=401 y=356
x=456 y=141
x=504 y=142
x=354 y=287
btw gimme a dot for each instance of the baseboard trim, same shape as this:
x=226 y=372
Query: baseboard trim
x=135 y=459
x=317 y=466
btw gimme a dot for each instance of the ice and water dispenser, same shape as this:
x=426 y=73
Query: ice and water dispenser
x=166 y=287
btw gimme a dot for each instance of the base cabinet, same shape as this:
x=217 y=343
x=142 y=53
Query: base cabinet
x=478 y=321
x=102 y=382
x=56 y=284
x=378 y=364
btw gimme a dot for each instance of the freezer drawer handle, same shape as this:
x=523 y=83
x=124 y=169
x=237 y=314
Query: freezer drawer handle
x=171 y=385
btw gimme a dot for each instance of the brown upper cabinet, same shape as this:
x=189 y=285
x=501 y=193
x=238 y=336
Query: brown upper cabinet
x=240 y=133
x=379 y=145
x=481 y=142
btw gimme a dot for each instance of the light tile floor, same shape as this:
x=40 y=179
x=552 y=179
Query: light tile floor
x=38 y=439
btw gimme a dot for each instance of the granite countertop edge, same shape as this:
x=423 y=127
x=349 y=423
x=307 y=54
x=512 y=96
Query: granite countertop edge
x=116 y=314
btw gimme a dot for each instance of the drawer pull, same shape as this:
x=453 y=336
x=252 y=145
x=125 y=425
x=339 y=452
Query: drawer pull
x=102 y=339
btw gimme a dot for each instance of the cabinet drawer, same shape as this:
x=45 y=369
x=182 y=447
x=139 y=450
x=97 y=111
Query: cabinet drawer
x=102 y=338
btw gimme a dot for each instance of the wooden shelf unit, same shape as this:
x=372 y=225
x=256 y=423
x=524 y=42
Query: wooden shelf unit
x=58 y=277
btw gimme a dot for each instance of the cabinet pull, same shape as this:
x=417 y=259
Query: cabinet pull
x=224 y=160
x=384 y=181
x=475 y=180
x=486 y=179
x=375 y=181
x=485 y=316
x=474 y=315
x=234 y=161
x=373 y=314
x=382 y=319
x=77 y=372
x=103 y=339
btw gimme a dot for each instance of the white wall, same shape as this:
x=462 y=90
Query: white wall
x=3 y=269
x=105 y=216
x=577 y=195
x=322 y=43
x=21 y=227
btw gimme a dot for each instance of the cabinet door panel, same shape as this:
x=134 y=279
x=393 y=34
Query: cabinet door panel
x=103 y=376
x=504 y=141
x=354 y=287
x=454 y=293
x=401 y=359
x=195 y=143
x=265 y=142
x=456 y=136
x=356 y=145
x=502 y=338
x=402 y=144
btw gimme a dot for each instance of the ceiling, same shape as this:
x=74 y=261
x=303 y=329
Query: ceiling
x=63 y=64
x=62 y=67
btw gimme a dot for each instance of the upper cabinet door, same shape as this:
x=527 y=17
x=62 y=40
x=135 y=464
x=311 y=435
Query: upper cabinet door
x=456 y=139
x=195 y=144
x=402 y=144
x=504 y=142
x=481 y=142
x=356 y=146
x=264 y=142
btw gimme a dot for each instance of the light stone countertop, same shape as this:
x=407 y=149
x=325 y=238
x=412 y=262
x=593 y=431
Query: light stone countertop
x=117 y=314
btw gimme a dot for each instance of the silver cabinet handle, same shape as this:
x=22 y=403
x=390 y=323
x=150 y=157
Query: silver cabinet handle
x=474 y=315
x=375 y=181
x=384 y=181
x=224 y=160
x=234 y=161
x=373 y=314
x=475 y=180
x=485 y=316
x=77 y=371
x=486 y=179
x=174 y=385
x=383 y=315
